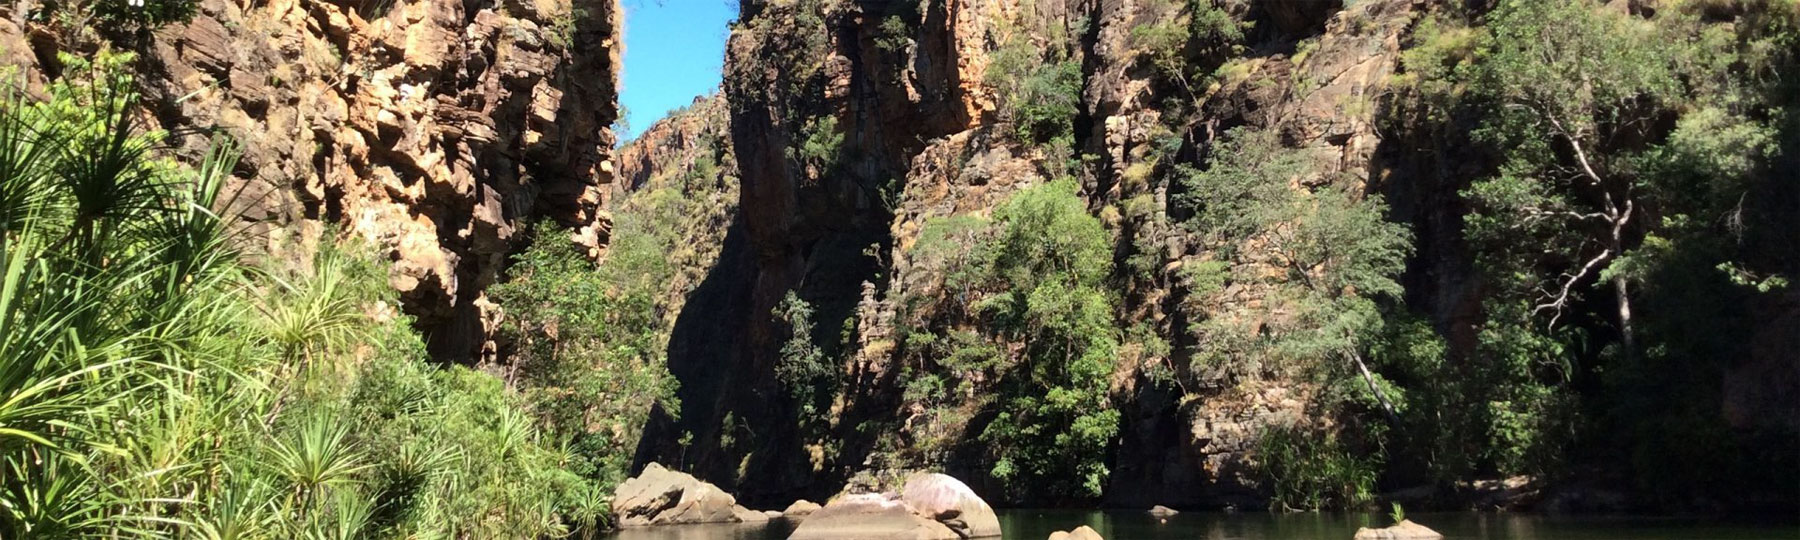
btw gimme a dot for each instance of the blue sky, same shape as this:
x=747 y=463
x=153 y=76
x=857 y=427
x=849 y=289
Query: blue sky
x=673 y=52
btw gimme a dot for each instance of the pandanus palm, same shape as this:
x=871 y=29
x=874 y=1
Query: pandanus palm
x=101 y=251
x=321 y=455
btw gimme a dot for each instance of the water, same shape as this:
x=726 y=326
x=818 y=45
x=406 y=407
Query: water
x=1038 y=524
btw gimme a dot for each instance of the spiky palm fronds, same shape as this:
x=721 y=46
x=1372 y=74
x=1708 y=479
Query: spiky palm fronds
x=312 y=315
x=320 y=455
x=242 y=510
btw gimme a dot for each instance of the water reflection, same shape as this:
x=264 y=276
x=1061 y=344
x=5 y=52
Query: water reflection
x=773 y=530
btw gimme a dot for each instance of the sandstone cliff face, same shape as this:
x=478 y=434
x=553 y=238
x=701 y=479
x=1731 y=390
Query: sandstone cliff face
x=855 y=122
x=917 y=110
x=674 y=145
x=433 y=129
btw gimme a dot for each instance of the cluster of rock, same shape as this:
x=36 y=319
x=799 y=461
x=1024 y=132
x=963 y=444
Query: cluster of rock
x=659 y=496
x=929 y=507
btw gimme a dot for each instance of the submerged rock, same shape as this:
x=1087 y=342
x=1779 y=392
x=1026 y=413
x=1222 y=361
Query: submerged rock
x=1163 y=511
x=929 y=507
x=659 y=496
x=1404 y=530
x=1083 y=532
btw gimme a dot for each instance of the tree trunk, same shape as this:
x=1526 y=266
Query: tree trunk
x=1627 y=336
x=1369 y=378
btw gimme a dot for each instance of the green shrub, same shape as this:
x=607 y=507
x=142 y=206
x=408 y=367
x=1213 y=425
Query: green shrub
x=1310 y=469
x=588 y=343
x=804 y=369
x=1040 y=96
x=1032 y=284
x=149 y=14
x=820 y=146
x=1176 y=48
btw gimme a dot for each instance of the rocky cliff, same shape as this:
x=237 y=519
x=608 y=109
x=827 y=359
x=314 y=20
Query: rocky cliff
x=856 y=124
x=906 y=87
x=432 y=129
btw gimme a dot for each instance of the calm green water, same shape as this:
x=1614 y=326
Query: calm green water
x=1038 y=524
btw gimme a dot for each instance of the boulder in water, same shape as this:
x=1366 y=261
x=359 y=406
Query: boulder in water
x=746 y=515
x=943 y=498
x=870 y=517
x=659 y=496
x=1404 y=530
x=800 y=508
x=929 y=507
x=1162 y=511
x=1083 y=532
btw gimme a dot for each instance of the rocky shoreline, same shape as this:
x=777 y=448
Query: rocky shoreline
x=926 y=506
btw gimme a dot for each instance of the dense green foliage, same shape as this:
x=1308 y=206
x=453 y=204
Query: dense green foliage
x=1041 y=93
x=1324 y=257
x=588 y=340
x=1030 y=287
x=1630 y=207
x=1184 y=37
x=163 y=380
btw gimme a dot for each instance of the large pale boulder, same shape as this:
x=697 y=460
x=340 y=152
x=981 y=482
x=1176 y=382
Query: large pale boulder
x=1162 y=511
x=1083 y=532
x=870 y=516
x=949 y=501
x=1405 y=530
x=800 y=509
x=929 y=506
x=659 y=496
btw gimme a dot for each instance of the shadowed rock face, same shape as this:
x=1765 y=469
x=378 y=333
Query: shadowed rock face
x=433 y=129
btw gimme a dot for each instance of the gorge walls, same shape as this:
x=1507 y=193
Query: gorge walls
x=432 y=130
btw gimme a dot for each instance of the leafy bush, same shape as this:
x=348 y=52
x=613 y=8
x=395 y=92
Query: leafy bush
x=1032 y=282
x=146 y=14
x=820 y=147
x=588 y=343
x=1175 y=47
x=804 y=369
x=1039 y=96
x=1309 y=470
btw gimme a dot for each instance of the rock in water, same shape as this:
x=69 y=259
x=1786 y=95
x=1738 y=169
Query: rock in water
x=951 y=502
x=1083 y=532
x=929 y=507
x=800 y=509
x=772 y=514
x=746 y=515
x=1404 y=530
x=870 y=517
x=659 y=496
x=1162 y=511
